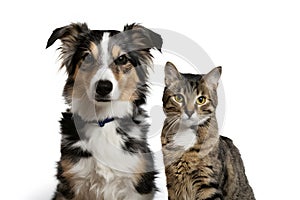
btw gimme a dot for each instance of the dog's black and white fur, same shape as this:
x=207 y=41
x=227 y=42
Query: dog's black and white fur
x=104 y=151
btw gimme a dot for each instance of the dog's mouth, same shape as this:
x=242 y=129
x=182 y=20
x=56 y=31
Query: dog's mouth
x=102 y=99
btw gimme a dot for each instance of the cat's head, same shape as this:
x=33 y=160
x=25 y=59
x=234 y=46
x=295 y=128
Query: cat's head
x=190 y=97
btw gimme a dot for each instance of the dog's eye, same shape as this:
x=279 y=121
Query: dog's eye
x=88 y=59
x=121 y=60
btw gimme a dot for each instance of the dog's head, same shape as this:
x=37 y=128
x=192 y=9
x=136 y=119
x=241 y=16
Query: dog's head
x=105 y=67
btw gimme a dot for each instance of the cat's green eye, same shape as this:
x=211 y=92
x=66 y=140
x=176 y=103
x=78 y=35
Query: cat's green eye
x=178 y=98
x=201 y=100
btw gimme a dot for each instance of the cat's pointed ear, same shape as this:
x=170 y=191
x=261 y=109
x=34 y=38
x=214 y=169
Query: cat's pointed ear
x=212 y=77
x=171 y=73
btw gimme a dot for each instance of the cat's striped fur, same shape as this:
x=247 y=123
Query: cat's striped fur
x=200 y=164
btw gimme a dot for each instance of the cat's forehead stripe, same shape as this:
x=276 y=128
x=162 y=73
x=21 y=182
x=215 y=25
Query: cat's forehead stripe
x=191 y=86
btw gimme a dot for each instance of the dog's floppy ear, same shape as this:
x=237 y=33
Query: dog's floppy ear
x=154 y=40
x=69 y=36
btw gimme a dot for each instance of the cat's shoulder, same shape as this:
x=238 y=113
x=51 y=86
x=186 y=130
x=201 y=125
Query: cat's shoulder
x=226 y=140
x=227 y=143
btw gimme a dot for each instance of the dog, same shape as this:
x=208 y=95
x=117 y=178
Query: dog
x=104 y=149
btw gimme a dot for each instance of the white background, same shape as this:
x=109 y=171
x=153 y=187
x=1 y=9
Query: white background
x=256 y=42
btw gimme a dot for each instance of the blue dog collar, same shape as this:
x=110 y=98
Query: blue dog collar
x=103 y=122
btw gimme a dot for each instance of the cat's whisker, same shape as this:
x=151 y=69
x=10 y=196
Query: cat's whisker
x=172 y=120
x=171 y=125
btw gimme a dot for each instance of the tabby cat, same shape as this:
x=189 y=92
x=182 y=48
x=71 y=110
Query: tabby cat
x=200 y=164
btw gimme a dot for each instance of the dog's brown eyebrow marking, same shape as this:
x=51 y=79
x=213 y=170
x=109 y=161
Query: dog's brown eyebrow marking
x=94 y=49
x=116 y=50
x=76 y=71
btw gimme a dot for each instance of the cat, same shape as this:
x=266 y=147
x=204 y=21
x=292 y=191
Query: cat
x=199 y=164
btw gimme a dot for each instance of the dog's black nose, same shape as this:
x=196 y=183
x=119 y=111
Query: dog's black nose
x=104 y=87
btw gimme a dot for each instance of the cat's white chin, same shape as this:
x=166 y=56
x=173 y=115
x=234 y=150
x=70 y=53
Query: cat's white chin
x=187 y=123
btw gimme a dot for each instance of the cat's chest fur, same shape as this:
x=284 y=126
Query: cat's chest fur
x=184 y=138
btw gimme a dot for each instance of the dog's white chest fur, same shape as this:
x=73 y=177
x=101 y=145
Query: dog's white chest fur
x=109 y=172
x=105 y=144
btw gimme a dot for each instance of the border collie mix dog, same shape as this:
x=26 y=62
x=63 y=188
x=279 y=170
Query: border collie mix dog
x=104 y=151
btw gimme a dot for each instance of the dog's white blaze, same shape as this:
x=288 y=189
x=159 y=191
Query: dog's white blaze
x=104 y=72
x=185 y=138
x=105 y=56
x=107 y=59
